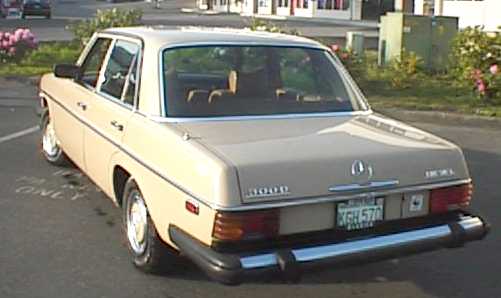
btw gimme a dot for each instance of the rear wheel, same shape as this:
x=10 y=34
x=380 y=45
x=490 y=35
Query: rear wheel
x=50 y=144
x=149 y=252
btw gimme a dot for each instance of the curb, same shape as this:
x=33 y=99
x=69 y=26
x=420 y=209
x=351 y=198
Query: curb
x=444 y=118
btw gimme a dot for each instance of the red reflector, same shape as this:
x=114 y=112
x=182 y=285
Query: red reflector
x=246 y=225
x=192 y=207
x=448 y=198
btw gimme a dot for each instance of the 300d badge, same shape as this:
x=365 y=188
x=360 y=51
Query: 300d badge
x=268 y=191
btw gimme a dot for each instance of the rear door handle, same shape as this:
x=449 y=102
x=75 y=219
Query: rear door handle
x=117 y=125
x=82 y=105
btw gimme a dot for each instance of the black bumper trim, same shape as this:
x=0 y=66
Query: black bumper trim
x=236 y=268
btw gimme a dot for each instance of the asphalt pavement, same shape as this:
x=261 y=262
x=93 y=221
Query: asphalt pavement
x=61 y=237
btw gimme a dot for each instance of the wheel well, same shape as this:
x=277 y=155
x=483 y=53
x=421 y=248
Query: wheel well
x=120 y=177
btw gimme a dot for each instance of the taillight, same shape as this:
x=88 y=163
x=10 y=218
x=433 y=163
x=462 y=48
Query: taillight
x=450 y=198
x=234 y=226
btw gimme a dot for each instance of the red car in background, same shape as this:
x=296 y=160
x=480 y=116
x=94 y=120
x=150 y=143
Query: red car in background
x=11 y=8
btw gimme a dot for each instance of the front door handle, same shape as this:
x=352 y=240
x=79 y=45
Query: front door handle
x=82 y=105
x=117 y=125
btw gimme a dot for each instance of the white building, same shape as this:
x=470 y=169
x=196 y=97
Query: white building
x=335 y=9
x=485 y=13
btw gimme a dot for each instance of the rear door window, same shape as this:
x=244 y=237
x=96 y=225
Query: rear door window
x=119 y=78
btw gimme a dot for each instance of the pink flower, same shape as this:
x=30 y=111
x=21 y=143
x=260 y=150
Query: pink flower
x=345 y=56
x=481 y=86
x=494 y=69
x=12 y=51
x=19 y=33
x=335 y=47
x=13 y=39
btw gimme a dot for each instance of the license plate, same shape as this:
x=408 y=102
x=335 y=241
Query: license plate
x=359 y=213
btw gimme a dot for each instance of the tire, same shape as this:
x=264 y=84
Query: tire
x=50 y=145
x=23 y=16
x=149 y=253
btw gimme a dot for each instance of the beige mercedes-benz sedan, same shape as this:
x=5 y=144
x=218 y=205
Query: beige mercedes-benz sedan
x=250 y=153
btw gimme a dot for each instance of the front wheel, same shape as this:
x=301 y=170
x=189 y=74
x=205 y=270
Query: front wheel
x=149 y=252
x=50 y=144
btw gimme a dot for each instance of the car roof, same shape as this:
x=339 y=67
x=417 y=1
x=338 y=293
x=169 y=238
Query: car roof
x=164 y=36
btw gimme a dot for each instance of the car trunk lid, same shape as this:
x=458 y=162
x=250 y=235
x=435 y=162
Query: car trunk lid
x=287 y=159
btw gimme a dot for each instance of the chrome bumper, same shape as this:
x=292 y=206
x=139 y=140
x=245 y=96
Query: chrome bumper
x=228 y=268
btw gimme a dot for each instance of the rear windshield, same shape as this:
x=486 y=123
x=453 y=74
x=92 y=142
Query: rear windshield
x=213 y=81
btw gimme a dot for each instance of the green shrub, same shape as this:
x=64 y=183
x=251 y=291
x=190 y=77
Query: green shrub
x=42 y=59
x=54 y=52
x=404 y=69
x=475 y=58
x=105 y=19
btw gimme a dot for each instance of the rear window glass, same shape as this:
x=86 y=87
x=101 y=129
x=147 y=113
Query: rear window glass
x=253 y=80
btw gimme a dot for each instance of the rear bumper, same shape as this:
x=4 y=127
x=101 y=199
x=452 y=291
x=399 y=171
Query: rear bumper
x=233 y=268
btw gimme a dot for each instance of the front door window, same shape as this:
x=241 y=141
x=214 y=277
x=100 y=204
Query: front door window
x=90 y=69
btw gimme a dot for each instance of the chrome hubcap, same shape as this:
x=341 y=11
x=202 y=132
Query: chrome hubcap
x=137 y=223
x=49 y=141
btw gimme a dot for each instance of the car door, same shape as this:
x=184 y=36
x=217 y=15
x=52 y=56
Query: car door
x=110 y=108
x=71 y=97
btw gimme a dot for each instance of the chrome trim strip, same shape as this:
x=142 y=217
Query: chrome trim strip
x=469 y=222
x=258 y=117
x=258 y=261
x=358 y=187
x=344 y=249
x=349 y=248
x=337 y=198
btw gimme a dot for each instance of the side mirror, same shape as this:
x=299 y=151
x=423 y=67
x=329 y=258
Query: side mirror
x=67 y=71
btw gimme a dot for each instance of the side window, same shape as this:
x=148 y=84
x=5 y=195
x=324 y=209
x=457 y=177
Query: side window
x=119 y=77
x=92 y=64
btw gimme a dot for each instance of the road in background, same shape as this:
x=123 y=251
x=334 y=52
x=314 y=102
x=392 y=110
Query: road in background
x=60 y=236
x=170 y=14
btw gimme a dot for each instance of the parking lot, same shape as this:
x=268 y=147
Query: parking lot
x=60 y=236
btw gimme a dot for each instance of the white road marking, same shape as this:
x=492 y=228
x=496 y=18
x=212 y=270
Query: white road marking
x=19 y=134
